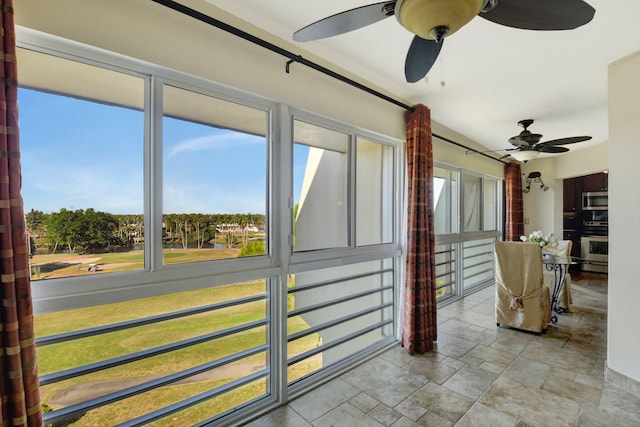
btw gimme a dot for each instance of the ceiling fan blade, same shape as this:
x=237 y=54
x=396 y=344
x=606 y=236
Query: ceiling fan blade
x=346 y=21
x=552 y=149
x=563 y=141
x=542 y=15
x=421 y=56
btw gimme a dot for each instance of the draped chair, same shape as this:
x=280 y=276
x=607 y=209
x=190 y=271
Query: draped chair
x=562 y=248
x=522 y=299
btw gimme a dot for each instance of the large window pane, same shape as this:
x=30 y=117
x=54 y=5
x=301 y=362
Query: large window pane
x=374 y=193
x=463 y=258
x=478 y=262
x=321 y=164
x=336 y=312
x=82 y=134
x=471 y=193
x=223 y=338
x=445 y=199
x=445 y=271
x=215 y=178
x=490 y=210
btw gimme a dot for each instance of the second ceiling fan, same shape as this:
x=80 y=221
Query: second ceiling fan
x=433 y=20
x=527 y=145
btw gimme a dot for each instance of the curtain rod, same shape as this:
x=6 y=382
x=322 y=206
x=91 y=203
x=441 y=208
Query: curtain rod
x=468 y=148
x=178 y=7
x=277 y=49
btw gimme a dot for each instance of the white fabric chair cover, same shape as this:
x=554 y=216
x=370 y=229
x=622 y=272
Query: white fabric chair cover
x=522 y=300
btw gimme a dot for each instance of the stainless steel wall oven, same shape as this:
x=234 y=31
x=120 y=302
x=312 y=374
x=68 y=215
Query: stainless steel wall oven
x=595 y=249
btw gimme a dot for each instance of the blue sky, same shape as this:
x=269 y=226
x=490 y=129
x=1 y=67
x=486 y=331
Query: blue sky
x=77 y=155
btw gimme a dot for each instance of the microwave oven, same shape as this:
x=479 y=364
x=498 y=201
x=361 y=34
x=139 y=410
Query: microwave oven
x=595 y=201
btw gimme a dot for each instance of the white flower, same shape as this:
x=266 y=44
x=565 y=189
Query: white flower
x=540 y=238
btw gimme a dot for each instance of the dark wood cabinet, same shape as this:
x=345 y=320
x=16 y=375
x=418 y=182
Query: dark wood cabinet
x=574 y=236
x=572 y=194
x=595 y=182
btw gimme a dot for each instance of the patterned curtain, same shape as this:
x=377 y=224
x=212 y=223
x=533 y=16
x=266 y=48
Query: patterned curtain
x=19 y=391
x=514 y=211
x=419 y=328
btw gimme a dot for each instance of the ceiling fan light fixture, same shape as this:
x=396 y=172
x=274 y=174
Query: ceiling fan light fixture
x=421 y=17
x=525 y=156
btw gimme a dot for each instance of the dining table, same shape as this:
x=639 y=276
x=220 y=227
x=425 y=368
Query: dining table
x=559 y=264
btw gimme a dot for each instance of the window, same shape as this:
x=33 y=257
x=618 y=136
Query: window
x=188 y=328
x=480 y=195
x=212 y=340
x=374 y=192
x=82 y=135
x=324 y=215
x=445 y=190
x=215 y=178
x=472 y=198
x=321 y=196
x=490 y=204
x=334 y=313
x=464 y=259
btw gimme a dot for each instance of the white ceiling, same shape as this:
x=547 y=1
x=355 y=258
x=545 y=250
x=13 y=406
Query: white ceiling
x=488 y=76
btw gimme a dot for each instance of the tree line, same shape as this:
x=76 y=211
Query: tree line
x=90 y=230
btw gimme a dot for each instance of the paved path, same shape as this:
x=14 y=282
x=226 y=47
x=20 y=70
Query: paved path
x=82 y=392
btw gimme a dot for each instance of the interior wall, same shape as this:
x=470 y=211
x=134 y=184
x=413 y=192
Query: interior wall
x=624 y=150
x=539 y=205
x=586 y=161
x=457 y=156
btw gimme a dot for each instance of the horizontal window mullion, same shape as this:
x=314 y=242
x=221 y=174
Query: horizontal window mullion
x=145 y=354
x=192 y=401
x=335 y=322
x=334 y=281
x=81 y=408
x=445 y=285
x=478 y=273
x=58 y=338
x=478 y=254
x=329 y=303
x=445 y=273
x=439 y=264
x=468 y=266
x=337 y=342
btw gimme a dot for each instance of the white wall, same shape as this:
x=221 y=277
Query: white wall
x=586 y=161
x=623 y=347
x=540 y=206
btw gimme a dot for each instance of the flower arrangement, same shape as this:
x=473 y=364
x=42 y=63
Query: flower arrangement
x=540 y=238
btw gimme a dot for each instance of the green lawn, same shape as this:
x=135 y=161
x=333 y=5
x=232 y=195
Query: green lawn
x=88 y=350
x=52 y=266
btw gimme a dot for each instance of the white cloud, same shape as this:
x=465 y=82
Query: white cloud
x=219 y=141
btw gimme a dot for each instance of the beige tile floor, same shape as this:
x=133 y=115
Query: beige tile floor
x=481 y=375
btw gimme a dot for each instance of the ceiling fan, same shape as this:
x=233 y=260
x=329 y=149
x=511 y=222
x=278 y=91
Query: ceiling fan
x=528 y=146
x=433 y=20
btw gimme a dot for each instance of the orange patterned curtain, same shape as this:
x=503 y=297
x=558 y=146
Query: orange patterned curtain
x=419 y=328
x=514 y=211
x=19 y=391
